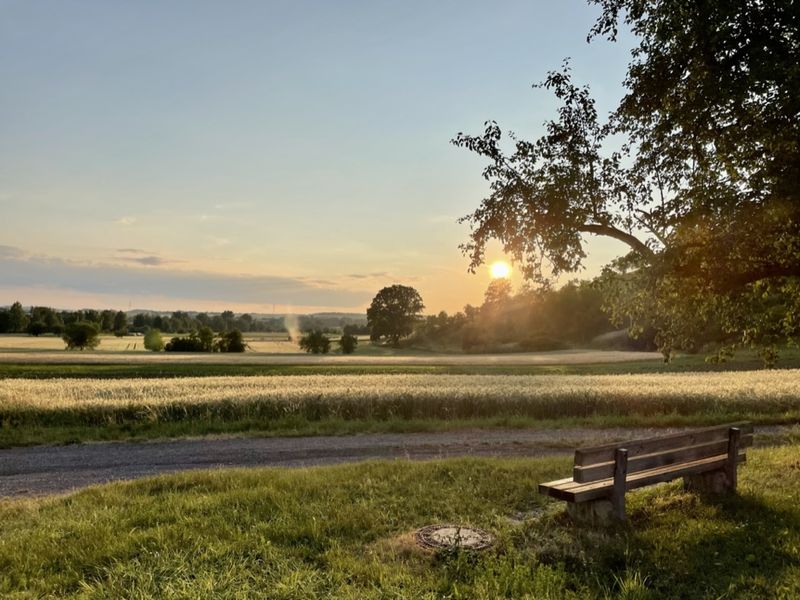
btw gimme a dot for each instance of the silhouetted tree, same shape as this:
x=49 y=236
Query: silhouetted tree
x=120 y=324
x=315 y=342
x=81 y=335
x=393 y=313
x=348 y=343
x=705 y=191
x=230 y=341
x=17 y=319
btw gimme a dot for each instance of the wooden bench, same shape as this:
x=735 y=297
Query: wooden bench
x=705 y=458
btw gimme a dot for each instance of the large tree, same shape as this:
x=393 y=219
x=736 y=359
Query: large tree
x=393 y=313
x=697 y=171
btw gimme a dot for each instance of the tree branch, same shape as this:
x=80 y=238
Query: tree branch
x=623 y=236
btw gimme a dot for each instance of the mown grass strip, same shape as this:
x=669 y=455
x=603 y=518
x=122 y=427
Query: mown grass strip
x=343 y=533
x=120 y=370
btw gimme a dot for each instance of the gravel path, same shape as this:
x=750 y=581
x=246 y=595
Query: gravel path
x=54 y=469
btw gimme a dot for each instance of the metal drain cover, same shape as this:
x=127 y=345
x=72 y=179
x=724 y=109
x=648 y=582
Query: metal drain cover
x=454 y=536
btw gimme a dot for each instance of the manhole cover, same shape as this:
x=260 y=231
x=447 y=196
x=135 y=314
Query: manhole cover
x=454 y=536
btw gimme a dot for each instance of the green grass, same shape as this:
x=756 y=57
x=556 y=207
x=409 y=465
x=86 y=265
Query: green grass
x=59 y=434
x=342 y=532
x=744 y=361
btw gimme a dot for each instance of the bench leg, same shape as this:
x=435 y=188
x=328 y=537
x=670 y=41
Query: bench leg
x=620 y=474
x=713 y=483
x=734 y=435
x=595 y=512
x=723 y=480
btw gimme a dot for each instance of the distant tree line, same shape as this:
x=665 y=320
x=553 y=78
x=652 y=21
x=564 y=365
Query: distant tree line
x=39 y=320
x=529 y=321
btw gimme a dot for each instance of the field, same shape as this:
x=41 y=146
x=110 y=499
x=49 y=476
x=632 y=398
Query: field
x=40 y=410
x=344 y=532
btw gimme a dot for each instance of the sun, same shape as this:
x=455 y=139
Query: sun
x=500 y=270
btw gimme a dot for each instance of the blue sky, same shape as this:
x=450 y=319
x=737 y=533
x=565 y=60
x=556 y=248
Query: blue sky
x=211 y=155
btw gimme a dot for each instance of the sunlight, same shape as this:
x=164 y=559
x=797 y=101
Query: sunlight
x=500 y=270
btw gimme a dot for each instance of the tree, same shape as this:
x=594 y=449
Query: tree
x=228 y=318
x=81 y=335
x=348 y=343
x=120 y=324
x=153 y=340
x=18 y=320
x=37 y=328
x=711 y=123
x=315 y=342
x=393 y=313
x=206 y=337
x=107 y=321
x=497 y=294
x=230 y=341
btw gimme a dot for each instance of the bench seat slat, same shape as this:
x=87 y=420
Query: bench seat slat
x=635 y=448
x=572 y=491
x=646 y=462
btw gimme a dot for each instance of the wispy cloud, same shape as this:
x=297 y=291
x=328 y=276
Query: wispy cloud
x=10 y=252
x=149 y=261
x=142 y=257
x=125 y=221
x=18 y=271
x=378 y=274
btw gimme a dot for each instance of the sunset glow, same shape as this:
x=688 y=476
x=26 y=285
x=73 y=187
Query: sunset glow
x=500 y=270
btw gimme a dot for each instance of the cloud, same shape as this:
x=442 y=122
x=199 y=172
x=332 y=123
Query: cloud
x=378 y=274
x=18 y=272
x=150 y=261
x=142 y=257
x=125 y=221
x=10 y=252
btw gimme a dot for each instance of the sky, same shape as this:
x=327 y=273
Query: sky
x=265 y=155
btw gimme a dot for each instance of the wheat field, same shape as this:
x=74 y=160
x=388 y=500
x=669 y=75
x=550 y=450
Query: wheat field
x=408 y=395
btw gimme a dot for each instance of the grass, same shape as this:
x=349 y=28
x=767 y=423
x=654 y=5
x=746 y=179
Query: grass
x=65 y=410
x=343 y=532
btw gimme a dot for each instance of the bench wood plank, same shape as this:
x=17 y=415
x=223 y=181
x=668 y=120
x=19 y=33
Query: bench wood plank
x=605 y=453
x=604 y=470
x=572 y=491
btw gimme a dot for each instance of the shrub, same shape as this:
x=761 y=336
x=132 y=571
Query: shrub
x=191 y=343
x=81 y=335
x=37 y=328
x=348 y=343
x=315 y=342
x=230 y=341
x=153 y=340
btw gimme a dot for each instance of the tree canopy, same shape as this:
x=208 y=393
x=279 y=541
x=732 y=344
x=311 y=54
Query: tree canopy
x=393 y=313
x=697 y=171
x=81 y=335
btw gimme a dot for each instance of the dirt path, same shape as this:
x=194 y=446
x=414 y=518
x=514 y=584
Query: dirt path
x=52 y=469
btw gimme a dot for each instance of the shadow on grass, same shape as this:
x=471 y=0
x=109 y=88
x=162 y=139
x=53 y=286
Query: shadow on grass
x=681 y=544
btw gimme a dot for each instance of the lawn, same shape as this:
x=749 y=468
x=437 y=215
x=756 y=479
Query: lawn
x=68 y=410
x=343 y=532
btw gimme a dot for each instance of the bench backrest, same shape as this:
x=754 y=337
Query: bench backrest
x=597 y=463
